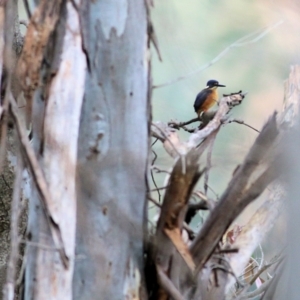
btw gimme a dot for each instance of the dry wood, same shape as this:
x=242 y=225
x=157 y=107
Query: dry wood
x=174 y=206
x=265 y=217
x=237 y=196
x=170 y=139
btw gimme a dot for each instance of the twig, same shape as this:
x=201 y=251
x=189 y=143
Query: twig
x=213 y=191
x=9 y=289
x=257 y=292
x=159 y=170
x=177 y=125
x=242 y=123
x=210 y=203
x=155 y=202
x=152 y=175
x=275 y=260
x=40 y=181
x=159 y=188
x=154 y=142
x=27 y=8
x=229 y=250
x=237 y=43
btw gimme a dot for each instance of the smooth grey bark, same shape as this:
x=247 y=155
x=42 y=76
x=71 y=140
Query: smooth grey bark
x=113 y=151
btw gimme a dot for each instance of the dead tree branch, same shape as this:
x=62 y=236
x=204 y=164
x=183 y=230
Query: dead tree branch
x=169 y=137
x=173 y=209
x=244 y=41
x=237 y=196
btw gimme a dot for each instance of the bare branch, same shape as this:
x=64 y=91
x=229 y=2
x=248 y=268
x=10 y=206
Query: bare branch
x=175 y=203
x=242 y=123
x=257 y=292
x=239 y=43
x=225 y=105
x=170 y=139
x=236 y=197
x=27 y=8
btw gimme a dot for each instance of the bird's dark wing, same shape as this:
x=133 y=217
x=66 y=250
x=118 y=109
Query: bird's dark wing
x=200 y=99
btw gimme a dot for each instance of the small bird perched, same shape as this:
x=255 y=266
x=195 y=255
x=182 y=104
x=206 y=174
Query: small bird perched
x=207 y=97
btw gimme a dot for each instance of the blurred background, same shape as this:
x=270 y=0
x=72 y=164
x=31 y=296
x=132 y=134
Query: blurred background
x=192 y=33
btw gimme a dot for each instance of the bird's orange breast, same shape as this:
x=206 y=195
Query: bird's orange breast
x=210 y=101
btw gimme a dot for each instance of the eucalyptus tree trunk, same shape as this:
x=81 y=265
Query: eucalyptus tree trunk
x=85 y=75
x=112 y=152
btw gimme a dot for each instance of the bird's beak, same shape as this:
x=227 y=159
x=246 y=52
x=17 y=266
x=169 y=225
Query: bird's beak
x=221 y=85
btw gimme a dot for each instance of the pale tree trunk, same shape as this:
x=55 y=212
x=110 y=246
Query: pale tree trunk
x=113 y=150
x=46 y=276
x=90 y=92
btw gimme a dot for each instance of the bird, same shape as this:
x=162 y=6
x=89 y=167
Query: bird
x=207 y=97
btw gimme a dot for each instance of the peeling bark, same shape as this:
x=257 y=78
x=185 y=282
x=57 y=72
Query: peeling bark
x=47 y=277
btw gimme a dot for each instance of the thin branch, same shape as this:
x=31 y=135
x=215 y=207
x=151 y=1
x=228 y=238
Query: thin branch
x=178 y=125
x=275 y=260
x=159 y=188
x=159 y=170
x=27 y=8
x=257 y=292
x=152 y=175
x=237 y=43
x=242 y=123
x=154 y=202
x=154 y=142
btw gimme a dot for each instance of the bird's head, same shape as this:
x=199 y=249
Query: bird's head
x=213 y=84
